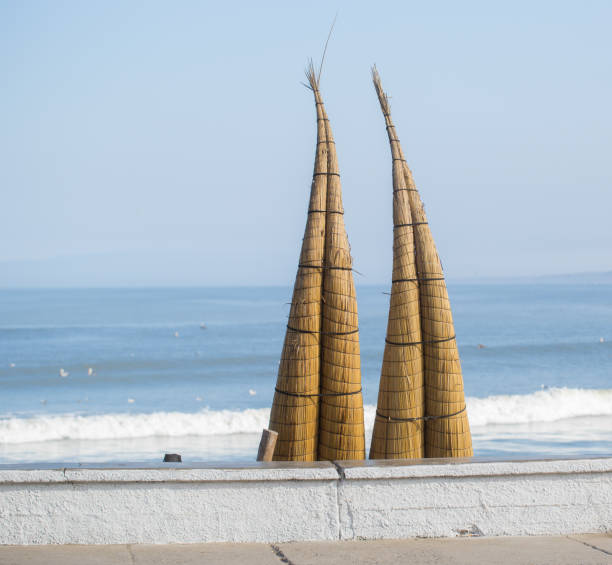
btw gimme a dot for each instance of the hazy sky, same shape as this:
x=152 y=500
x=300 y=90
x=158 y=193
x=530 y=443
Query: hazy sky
x=172 y=142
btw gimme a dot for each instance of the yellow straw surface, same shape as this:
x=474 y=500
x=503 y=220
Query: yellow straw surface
x=341 y=429
x=444 y=396
x=448 y=433
x=296 y=418
x=400 y=394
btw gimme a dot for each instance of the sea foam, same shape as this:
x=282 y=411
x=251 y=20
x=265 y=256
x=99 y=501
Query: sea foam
x=546 y=405
x=542 y=406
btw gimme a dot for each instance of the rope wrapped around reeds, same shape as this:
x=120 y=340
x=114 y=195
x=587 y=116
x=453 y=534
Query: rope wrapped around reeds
x=295 y=409
x=398 y=425
x=447 y=430
x=341 y=429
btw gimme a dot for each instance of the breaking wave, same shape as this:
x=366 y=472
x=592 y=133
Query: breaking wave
x=542 y=406
x=546 y=405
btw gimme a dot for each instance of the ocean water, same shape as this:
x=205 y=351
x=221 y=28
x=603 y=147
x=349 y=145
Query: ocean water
x=129 y=374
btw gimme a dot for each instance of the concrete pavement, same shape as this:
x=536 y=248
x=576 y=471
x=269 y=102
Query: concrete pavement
x=591 y=549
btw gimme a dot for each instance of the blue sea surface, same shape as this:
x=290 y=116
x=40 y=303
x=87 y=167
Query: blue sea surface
x=215 y=351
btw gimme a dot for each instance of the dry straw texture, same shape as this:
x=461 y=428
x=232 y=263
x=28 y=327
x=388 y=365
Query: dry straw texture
x=341 y=430
x=400 y=395
x=295 y=416
x=448 y=433
x=318 y=406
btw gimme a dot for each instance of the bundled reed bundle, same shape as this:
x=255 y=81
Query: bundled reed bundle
x=398 y=426
x=295 y=408
x=341 y=430
x=318 y=408
x=447 y=431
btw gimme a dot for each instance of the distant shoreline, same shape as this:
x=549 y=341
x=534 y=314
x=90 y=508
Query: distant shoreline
x=604 y=278
x=597 y=277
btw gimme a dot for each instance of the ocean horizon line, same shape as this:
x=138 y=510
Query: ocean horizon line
x=587 y=278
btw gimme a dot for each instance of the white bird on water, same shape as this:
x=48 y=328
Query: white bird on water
x=601 y=340
x=176 y=334
x=131 y=400
x=252 y=392
x=63 y=373
x=90 y=372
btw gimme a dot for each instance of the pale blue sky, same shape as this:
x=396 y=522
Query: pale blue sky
x=172 y=143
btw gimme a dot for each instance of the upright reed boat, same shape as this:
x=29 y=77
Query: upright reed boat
x=421 y=407
x=318 y=407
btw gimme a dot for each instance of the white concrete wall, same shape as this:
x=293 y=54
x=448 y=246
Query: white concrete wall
x=110 y=506
x=475 y=498
x=185 y=503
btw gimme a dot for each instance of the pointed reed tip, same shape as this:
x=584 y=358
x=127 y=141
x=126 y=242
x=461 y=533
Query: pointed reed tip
x=376 y=79
x=311 y=75
x=382 y=95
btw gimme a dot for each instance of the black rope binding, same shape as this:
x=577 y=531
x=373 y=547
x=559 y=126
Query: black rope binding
x=407 y=189
x=425 y=418
x=328 y=173
x=325 y=267
x=320 y=332
x=327 y=211
x=401 y=344
x=424 y=279
x=326 y=141
x=412 y=224
x=300 y=395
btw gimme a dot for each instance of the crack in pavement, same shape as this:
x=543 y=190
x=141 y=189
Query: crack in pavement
x=341 y=479
x=132 y=556
x=279 y=553
x=590 y=545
